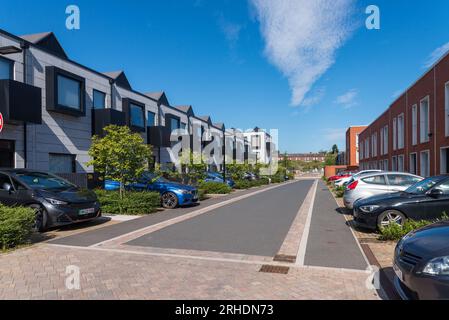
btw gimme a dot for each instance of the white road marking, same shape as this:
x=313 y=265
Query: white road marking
x=305 y=234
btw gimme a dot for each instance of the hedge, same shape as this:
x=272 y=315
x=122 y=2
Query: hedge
x=396 y=232
x=16 y=225
x=133 y=203
x=212 y=187
x=246 y=184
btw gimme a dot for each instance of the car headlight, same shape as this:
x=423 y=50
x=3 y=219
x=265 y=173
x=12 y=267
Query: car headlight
x=56 y=202
x=369 y=209
x=184 y=191
x=437 y=267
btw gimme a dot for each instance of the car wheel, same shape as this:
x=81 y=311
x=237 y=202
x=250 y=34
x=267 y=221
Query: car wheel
x=390 y=216
x=169 y=200
x=40 y=223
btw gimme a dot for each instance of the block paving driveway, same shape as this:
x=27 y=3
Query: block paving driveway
x=212 y=251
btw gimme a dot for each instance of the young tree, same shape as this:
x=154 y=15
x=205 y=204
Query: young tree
x=120 y=155
x=335 y=149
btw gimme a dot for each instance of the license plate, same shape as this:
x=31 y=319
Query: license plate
x=83 y=212
x=398 y=272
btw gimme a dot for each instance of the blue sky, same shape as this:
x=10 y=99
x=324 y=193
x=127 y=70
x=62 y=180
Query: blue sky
x=307 y=68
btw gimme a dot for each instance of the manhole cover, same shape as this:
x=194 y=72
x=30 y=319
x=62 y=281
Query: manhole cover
x=274 y=269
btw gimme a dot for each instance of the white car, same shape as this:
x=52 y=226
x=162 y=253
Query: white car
x=345 y=181
x=372 y=184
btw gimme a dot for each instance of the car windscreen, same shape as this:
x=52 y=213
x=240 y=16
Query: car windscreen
x=44 y=181
x=151 y=177
x=424 y=185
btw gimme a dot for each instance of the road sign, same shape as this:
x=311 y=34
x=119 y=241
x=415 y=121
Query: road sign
x=1 y=122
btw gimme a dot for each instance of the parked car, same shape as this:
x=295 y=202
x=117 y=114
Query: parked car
x=421 y=263
x=372 y=184
x=218 y=177
x=347 y=180
x=56 y=201
x=249 y=176
x=339 y=176
x=425 y=200
x=173 y=194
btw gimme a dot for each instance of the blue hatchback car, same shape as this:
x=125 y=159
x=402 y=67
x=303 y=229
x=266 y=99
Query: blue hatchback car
x=218 y=177
x=173 y=194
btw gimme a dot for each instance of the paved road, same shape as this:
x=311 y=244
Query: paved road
x=254 y=226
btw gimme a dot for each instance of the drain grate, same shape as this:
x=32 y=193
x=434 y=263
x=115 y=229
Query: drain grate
x=274 y=269
x=284 y=258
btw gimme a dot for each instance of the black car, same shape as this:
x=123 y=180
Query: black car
x=421 y=263
x=427 y=199
x=57 y=202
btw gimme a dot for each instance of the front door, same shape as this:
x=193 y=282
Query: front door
x=7 y=150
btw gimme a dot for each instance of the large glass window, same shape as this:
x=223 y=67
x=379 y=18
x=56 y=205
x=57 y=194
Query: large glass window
x=425 y=164
x=151 y=122
x=62 y=163
x=137 y=118
x=401 y=131
x=414 y=124
x=446 y=108
x=99 y=100
x=6 y=67
x=174 y=124
x=69 y=92
x=395 y=134
x=413 y=162
x=424 y=120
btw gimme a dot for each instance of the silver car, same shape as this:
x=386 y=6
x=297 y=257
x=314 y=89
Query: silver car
x=372 y=184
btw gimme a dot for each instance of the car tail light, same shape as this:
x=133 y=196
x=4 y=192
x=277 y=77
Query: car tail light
x=353 y=185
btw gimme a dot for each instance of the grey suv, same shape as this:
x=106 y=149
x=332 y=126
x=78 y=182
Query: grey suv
x=56 y=201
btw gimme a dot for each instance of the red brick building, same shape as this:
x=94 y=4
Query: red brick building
x=413 y=133
x=352 y=145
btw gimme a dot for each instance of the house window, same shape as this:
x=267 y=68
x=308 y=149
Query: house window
x=174 y=124
x=394 y=164
x=366 y=148
x=386 y=164
x=6 y=69
x=401 y=163
x=99 y=100
x=401 y=131
x=425 y=164
x=395 y=134
x=255 y=142
x=136 y=116
x=151 y=122
x=444 y=160
x=385 y=140
x=424 y=120
x=413 y=163
x=415 y=125
x=183 y=125
x=62 y=163
x=446 y=109
x=69 y=92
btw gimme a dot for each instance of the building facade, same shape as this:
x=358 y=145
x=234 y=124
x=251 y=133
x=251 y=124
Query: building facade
x=413 y=133
x=52 y=106
x=352 y=145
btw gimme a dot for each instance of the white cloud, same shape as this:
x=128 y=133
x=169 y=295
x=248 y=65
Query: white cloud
x=230 y=30
x=314 y=98
x=436 y=55
x=348 y=100
x=302 y=37
x=335 y=135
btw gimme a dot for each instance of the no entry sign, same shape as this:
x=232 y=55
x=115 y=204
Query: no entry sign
x=1 y=122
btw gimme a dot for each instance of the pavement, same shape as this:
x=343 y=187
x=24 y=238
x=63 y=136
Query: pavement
x=267 y=243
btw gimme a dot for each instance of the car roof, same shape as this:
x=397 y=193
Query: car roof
x=374 y=174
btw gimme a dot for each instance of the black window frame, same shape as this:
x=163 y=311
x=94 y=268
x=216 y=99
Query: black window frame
x=126 y=105
x=73 y=156
x=93 y=99
x=51 y=74
x=154 y=119
x=11 y=67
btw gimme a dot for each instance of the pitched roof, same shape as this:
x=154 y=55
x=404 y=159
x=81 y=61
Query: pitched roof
x=186 y=109
x=159 y=96
x=206 y=119
x=120 y=78
x=46 y=40
x=219 y=125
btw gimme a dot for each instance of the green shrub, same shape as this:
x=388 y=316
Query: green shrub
x=202 y=194
x=212 y=187
x=15 y=225
x=339 y=192
x=133 y=203
x=246 y=184
x=396 y=232
x=242 y=184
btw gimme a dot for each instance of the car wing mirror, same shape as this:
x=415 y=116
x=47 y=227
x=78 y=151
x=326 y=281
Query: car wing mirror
x=7 y=187
x=435 y=193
